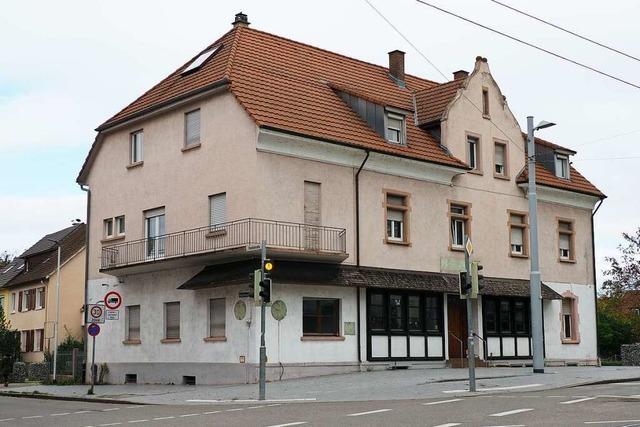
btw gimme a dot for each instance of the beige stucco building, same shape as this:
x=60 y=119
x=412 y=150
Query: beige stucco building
x=30 y=289
x=364 y=181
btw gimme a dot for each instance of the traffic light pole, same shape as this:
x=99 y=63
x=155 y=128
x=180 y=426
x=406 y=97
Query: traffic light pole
x=263 y=347
x=471 y=357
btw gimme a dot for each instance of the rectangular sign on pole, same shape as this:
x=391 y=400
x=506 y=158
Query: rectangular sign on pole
x=95 y=313
x=112 y=314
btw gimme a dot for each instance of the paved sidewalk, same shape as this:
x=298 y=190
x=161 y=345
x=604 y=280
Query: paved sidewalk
x=377 y=385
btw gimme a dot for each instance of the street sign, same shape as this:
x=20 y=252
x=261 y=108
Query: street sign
x=112 y=314
x=469 y=246
x=112 y=300
x=93 y=329
x=95 y=314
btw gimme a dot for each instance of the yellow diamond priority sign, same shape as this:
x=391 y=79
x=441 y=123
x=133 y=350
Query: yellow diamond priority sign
x=469 y=247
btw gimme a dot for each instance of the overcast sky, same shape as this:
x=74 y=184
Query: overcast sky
x=65 y=67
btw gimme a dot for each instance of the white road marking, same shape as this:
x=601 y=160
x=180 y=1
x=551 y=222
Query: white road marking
x=612 y=422
x=584 y=399
x=110 y=424
x=188 y=415
x=58 y=414
x=135 y=406
x=297 y=423
x=234 y=410
x=448 y=425
x=272 y=405
x=513 y=412
x=511 y=425
x=162 y=418
x=82 y=412
x=513 y=387
x=255 y=407
x=557 y=396
x=31 y=417
x=7 y=419
x=442 y=401
x=110 y=409
x=210 y=412
x=307 y=399
x=626 y=383
x=377 y=411
x=137 y=421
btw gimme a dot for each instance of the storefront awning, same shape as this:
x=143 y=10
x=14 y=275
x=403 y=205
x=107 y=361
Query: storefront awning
x=319 y=274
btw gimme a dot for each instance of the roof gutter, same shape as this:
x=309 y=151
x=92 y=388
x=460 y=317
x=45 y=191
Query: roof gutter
x=595 y=281
x=357 y=190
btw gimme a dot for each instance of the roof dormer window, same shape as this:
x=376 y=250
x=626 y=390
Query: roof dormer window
x=395 y=128
x=562 y=166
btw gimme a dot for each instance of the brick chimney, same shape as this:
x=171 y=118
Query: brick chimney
x=460 y=74
x=241 y=20
x=396 y=66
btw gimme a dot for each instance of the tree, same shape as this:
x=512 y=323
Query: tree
x=615 y=327
x=5 y=258
x=9 y=348
x=624 y=274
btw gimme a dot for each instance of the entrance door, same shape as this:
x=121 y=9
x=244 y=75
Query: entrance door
x=457 y=326
x=154 y=233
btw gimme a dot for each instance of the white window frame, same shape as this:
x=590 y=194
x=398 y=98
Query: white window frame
x=568 y=254
x=23 y=341
x=459 y=217
x=401 y=206
x=193 y=140
x=37 y=339
x=39 y=298
x=217 y=198
x=109 y=223
x=401 y=131
x=14 y=302
x=118 y=223
x=136 y=139
x=25 y=298
x=503 y=172
x=473 y=146
x=562 y=160
x=456 y=224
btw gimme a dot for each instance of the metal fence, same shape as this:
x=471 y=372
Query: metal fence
x=228 y=235
x=70 y=363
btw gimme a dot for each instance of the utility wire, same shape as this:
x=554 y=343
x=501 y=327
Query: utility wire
x=607 y=138
x=566 y=31
x=439 y=71
x=547 y=51
x=607 y=158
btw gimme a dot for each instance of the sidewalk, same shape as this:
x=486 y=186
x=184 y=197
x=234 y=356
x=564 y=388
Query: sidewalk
x=377 y=385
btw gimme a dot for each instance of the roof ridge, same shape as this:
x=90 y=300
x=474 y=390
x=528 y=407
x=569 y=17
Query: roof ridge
x=232 y=53
x=162 y=80
x=336 y=53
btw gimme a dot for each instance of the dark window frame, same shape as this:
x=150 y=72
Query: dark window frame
x=512 y=302
x=320 y=317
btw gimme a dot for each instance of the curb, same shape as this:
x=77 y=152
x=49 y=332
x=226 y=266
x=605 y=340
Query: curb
x=607 y=381
x=31 y=395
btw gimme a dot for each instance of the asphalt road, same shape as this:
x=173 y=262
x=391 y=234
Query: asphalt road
x=603 y=405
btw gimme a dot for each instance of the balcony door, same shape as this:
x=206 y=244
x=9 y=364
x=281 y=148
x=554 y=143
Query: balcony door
x=312 y=216
x=154 y=233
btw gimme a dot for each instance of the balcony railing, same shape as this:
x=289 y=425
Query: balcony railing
x=224 y=236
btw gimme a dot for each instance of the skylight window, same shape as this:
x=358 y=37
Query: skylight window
x=201 y=59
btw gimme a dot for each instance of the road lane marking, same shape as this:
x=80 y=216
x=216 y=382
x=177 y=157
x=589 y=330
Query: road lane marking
x=302 y=399
x=442 y=401
x=188 y=415
x=58 y=414
x=7 y=419
x=297 y=423
x=448 y=425
x=234 y=410
x=612 y=422
x=110 y=409
x=137 y=421
x=513 y=412
x=82 y=412
x=211 y=412
x=110 y=424
x=626 y=383
x=163 y=418
x=377 y=411
x=510 y=425
x=31 y=417
x=255 y=407
x=135 y=406
x=584 y=399
x=513 y=387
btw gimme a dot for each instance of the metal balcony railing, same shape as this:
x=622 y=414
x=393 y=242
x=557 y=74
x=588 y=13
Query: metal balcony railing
x=228 y=235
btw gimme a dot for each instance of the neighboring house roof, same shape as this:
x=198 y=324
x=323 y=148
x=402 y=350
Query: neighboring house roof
x=630 y=301
x=10 y=271
x=431 y=103
x=576 y=181
x=549 y=144
x=42 y=264
x=48 y=242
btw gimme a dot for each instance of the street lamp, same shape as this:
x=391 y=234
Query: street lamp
x=536 y=291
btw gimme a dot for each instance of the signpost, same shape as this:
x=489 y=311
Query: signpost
x=112 y=300
x=93 y=330
x=471 y=357
x=95 y=313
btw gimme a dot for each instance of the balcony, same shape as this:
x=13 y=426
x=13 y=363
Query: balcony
x=224 y=242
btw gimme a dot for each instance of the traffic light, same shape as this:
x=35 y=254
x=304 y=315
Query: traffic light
x=477 y=282
x=265 y=290
x=254 y=287
x=463 y=284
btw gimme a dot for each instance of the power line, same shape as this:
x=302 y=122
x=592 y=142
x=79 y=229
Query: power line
x=607 y=158
x=547 y=51
x=607 y=138
x=567 y=31
x=439 y=71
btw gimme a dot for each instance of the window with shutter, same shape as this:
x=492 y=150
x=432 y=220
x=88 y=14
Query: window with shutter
x=518 y=234
x=136 y=141
x=500 y=160
x=397 y=217
x=133 y=322
x=460 y=218
x=473 y=144
x=218 y=209
x=217 y=317
x=172 y=320
x=566 y=241
x=192 y=128
x=23 y=341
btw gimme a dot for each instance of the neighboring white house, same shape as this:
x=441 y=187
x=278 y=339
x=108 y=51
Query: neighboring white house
x=363 y=180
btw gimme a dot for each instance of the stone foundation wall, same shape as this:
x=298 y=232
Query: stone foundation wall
x=630 y=354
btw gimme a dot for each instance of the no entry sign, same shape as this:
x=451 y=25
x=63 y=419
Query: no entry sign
x=93 y=329
x=112 y=300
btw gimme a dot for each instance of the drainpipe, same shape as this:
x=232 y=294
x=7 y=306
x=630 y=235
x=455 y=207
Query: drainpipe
x=358 y=251
x=86 y=269
x=595 y=283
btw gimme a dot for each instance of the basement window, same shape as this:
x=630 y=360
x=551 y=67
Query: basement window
x=131 y=378
x=201 y=59
x=188 y=380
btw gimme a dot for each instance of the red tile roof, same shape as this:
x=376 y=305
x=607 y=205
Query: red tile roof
x=576 y=181
x=432 y=102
